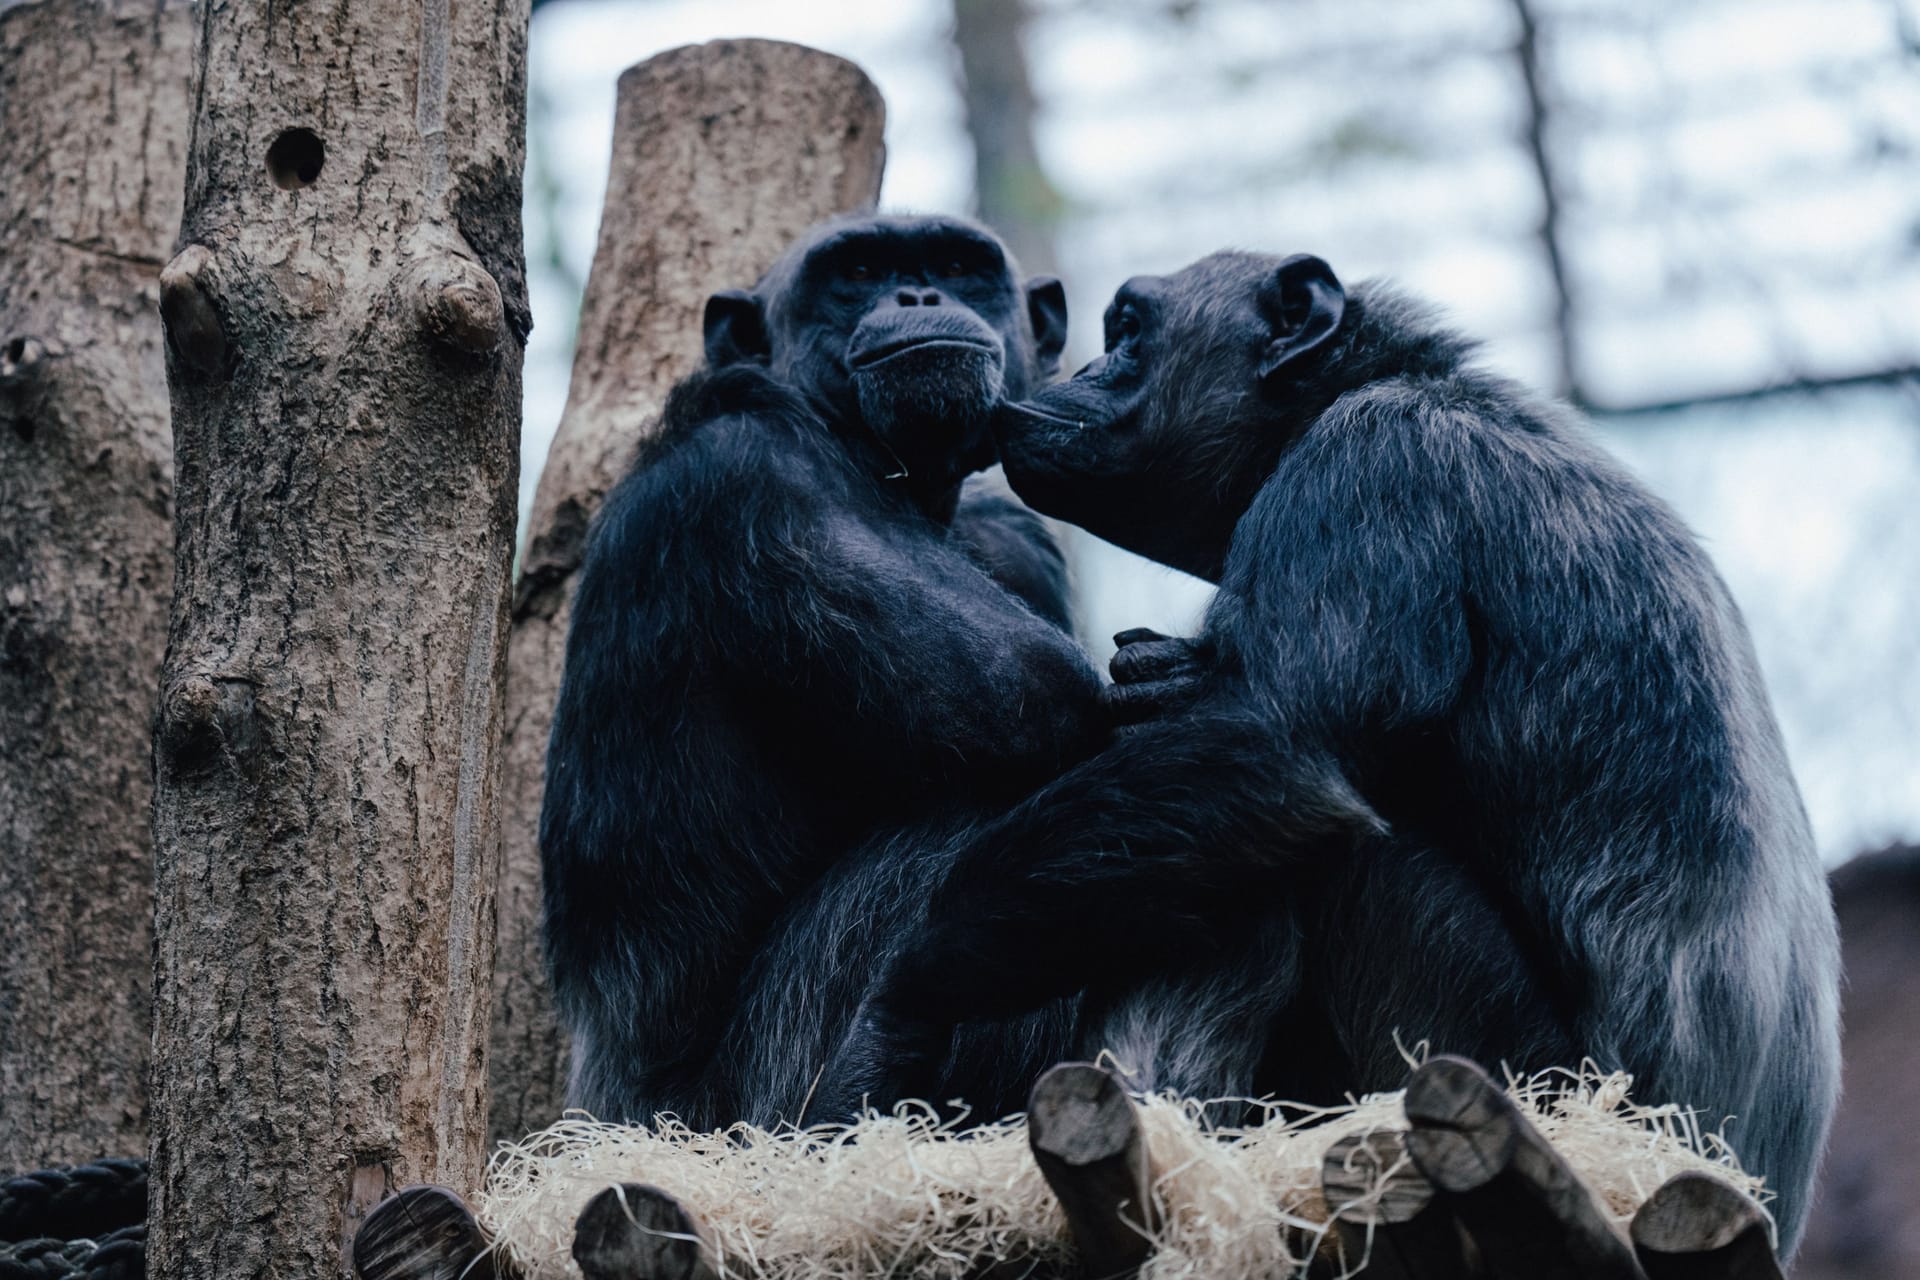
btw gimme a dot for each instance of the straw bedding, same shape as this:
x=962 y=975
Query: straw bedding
x=903 y=1194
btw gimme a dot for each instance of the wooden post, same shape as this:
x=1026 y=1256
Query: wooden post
x=637 y=1232
x=722 y=154
x=1526 y=1209
x=1386 y=1213
x=344 y=322
x=422 y=1233
x=94 y=101
x=1086 y=1139
x=1696 y=1227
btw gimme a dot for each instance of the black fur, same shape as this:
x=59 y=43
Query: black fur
x=1471 y=749
x=793 y=669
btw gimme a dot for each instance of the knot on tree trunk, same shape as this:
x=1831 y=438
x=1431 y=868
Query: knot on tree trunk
x=188 y=311
x=204 y=720
x=457 y=305
x=21 y=360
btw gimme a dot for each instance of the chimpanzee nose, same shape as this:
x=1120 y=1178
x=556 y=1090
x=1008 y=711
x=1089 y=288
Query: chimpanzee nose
x=919 y=297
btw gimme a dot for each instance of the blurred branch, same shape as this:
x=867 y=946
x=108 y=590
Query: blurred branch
x=1015 y=196
x=1906 y=374
x=1527 y=51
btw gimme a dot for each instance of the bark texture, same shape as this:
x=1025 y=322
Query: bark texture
x=722 y=153
x=93 y=140
x=344 y=322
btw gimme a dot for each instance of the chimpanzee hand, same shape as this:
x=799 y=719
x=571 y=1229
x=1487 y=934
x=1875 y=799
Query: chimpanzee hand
x=1155 y=675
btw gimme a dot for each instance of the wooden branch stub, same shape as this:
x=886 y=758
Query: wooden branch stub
x=1086 y=1138
x=1528 y=1212
x=458 y=305
x=1696 y=1227
x=187 y=310
x=1386 y=1212
x=638 y=1232
x=421 y=1233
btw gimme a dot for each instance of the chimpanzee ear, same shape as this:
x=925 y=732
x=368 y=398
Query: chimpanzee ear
x=1305 y=301
x=736 y=329
x=1047 y=312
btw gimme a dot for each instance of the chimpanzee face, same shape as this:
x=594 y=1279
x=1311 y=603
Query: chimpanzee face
x=914 y=327
x=1160 y=443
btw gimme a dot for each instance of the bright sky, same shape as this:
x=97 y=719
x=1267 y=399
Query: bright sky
x=1726 y=227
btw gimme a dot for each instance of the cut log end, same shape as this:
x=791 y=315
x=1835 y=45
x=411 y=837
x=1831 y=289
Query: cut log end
x=1696 y=1227
x=422 y=1233
x=1386 y=1212
x=638 y=1232
x=1085 y=1136
x=1526 y=1210
x=1465 y=1126
x=1369 y=1178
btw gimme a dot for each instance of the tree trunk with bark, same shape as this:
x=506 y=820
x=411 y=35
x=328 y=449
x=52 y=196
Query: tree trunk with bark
x=722 y=153
x=345 y=321
x=93 y=141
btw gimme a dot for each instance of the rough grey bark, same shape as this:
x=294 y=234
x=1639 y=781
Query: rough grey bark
x=1011 y=187
x=93 y=135
x=344 y=319
x=722 y=153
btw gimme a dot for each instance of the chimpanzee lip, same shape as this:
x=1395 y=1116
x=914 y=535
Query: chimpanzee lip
x=1028 y=409
x=881 y=354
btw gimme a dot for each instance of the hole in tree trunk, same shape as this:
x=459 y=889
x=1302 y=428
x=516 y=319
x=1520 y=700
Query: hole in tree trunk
x=294 y=159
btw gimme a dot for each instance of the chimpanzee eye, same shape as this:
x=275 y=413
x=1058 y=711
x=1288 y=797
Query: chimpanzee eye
x=1123 y=328
x=954 y=268
x=859 y=271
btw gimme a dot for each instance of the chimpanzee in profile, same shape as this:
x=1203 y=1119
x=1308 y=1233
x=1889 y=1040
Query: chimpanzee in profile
x=1471 y=747
x=800 y=658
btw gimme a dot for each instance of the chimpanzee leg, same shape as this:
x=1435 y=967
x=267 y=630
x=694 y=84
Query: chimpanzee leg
x=1202 y=1030
x=1174 y=851
x=1407 y=948
x=802 y=993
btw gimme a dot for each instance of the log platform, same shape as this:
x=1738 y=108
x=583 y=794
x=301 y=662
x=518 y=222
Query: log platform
x=1469 y=1191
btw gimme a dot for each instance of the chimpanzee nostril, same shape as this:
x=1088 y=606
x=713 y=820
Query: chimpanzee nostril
x=907 y=298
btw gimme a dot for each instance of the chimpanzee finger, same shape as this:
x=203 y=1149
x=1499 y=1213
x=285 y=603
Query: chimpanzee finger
x=1151 y=660
x=1136 y=635
x=1127 y=704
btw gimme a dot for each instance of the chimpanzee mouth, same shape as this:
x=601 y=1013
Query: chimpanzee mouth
x=1034 y=412
x=872 y=357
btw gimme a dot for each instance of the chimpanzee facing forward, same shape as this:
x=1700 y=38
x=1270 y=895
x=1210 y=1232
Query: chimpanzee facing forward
x=793 y=640
x=1472 y=746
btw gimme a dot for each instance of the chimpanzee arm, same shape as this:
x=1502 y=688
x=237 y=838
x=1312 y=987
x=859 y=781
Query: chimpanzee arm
x=901 y=649
x=1011 y=543
x=1344 y=598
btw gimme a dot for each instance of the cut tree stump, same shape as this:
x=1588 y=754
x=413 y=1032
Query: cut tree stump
x=1530 y=1215
x=1386 y=1211
x=422 y=1233
x=1085 y=1136
x=1697 y=1227
x=638 y=1232
x=722 y=154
